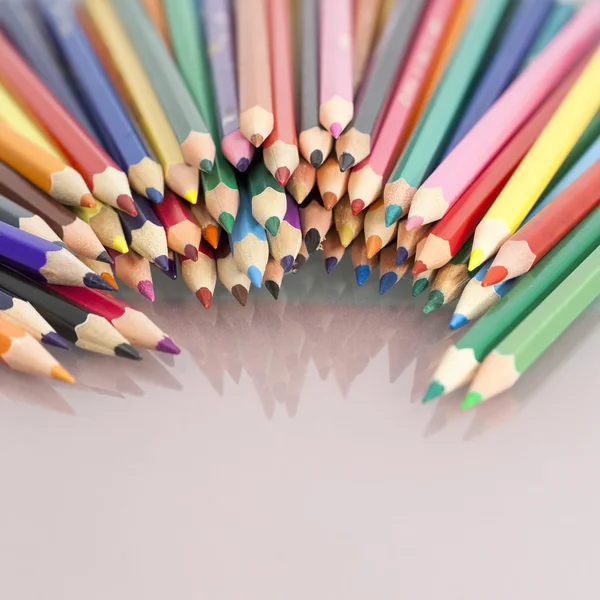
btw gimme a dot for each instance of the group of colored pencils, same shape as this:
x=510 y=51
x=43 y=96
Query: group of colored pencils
x=458 y=140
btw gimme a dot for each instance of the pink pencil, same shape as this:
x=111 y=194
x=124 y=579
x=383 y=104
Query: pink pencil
x=472 y=155
x=335 y=28
x=367 y=177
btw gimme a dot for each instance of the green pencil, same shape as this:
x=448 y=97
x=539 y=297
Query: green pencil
x=269 y=203
x=437 y=124
x=189 y=46
x=504 y=366
x=461 y=361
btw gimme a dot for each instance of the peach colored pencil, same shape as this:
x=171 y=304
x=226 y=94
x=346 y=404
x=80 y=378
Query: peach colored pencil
x=364 y=30
x=254 y=70
x=335 y=37
x=281 y=147
x=468 y=159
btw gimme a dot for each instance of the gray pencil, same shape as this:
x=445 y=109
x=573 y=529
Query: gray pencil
x=315 y=142
x=355 y=145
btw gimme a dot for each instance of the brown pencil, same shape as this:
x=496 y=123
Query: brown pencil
x=201 y=275
x=302 y=181
x=228 y=273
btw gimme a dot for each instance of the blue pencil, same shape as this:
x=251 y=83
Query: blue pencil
x=516 y=42
x=248 y=241
x=24 y=27
x=112 y=121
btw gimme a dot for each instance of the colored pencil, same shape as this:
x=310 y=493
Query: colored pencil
x=366 y=179
x=535 y=239
x=449 y=281
x=183 y=233
x=101 y=269
x=134 y=271
x=336 y=104
x=273 y=277
x=25 y=220
x=105 y=223
x=461 y=361
x=44 y=261
x=302 y=181
x=83 y=330
x=267 y=197
x=201 y=275
x=458 y=225
x=248 y=242
x=127 y=74
x=333 y=251
x=285 y=245
x=333 y=183
x=363 y=266
x=429 y=139
x=171 y=271
x=280 y=151
x=195 y=141
x=22 y=314
x=118 y=134
x=211 y=230
x=316 y=221
x=134 y=325
x=347 y=224
x=254 y=70
x=451 y=179
x=540 y=164
x=377 y=233
x=523 y=346
x=104 y=178
x=315 y=143
x=422 y=280
x=145 y=234
x=228 y=273
x=220 y=40
x=156 y=12
x=389 y=272
x=221 y=194
x=43 y=169
x=407 y=241
x=76 y=234
x=21 y=352
x=508 y=57
x=301 y=259
x=22 y=23
x=364 y=29
x=354 y=145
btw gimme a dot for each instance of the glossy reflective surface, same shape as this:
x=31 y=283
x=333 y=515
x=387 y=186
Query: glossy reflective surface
x=284 y=454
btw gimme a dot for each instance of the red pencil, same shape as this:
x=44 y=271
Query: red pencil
x=104 y=178
x=183 y=232
x=201 y=276
x=547 y=228
x=458 y=224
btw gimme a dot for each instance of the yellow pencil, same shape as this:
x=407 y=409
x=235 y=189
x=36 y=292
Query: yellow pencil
x=113 y=47
x=539 y=165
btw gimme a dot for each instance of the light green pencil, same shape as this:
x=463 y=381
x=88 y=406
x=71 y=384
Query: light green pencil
x=196 y=143
x=504 y=366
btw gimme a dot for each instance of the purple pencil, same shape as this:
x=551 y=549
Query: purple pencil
x=44 y=261
x=145 y=233
x=218 y=21
x=286 y=244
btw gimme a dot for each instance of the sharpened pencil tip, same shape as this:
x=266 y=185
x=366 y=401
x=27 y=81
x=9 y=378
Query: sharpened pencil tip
x=240 y=293
x=127 y=351
x=330 y=264
x=316 y=158
x=298 y=263
x=256 y=140
x=273 y=288
x=60 y=373
x=335 y=130
x=374 y=245
x=272 y=225
x=401 y=256
x=126 y=204
x=255 y=276
x=211 y=234
x=435 y=390
x=191 y=196
x=227 y=221
x=154 y=195
x=282 y=175
x=346 y=161
x=386 y=282
x=104 y=257
x=357 y=206
x=312 y=239
x=146 y=289
x=87 y=201
x=420 y=267
x=362 y=273
x=206 y=165
x=413 y=223
x=435 y=301
x=457 y=321
x=472 y=399
x=205 y=296
x=287 y=262
x=477 y=258
x=162 y=262
x=120 y=245
x=94 y=281
x=53 y=339
x=111 y=282
x=392 y=214
x=419 y=287
x=346 y=235
x=329 y=200
x=168 y=346
x=191 y=252
x=242 y=165
x=497 y=274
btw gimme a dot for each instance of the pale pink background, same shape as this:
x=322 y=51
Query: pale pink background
x=282 y=456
